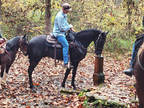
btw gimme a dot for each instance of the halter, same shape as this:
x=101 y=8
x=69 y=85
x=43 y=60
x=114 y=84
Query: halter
x=95 y=42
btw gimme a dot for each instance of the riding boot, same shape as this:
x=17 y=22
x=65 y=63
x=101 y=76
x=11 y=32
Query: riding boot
x=135 y=49
x=129 y=72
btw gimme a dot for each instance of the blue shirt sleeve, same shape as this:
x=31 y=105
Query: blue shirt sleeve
x=63 y=24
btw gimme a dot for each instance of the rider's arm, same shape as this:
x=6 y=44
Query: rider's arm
x=63 y=24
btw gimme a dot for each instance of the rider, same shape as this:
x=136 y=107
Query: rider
x=2 y=40
x=61 y=26
x=136 y=47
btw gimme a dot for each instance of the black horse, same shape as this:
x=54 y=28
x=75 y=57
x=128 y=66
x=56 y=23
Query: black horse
x=38 y=47
x=8 y=57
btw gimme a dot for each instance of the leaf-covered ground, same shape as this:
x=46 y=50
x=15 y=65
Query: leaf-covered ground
x=48 y=78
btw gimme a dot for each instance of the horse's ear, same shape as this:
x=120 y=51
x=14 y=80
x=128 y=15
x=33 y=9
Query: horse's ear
x=24 y=36
x=107 y=32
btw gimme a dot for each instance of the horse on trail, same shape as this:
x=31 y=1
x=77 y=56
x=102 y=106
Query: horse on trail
x=8 y=57
x=39 y=47
x=139 y=75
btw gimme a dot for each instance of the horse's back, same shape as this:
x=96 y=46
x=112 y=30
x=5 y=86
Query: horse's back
x=38 y=39
x=38 y=47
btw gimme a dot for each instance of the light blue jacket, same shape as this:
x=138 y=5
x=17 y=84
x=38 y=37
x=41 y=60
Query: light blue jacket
x=60 y=24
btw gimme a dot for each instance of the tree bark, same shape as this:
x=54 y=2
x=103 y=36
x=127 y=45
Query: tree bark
x=0 y=17
x=48 y=16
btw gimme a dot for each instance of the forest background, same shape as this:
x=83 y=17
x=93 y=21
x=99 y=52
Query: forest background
x=122 y=18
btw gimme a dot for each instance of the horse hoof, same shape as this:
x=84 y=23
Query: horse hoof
x=33 y=90
x=63 y=85
x=62 y=89
x=3 y=82
x=74 y=88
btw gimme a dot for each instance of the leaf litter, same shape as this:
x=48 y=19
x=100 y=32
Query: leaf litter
x=48 y=78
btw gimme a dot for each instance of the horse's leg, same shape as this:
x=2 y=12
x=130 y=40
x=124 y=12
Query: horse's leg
x=9 y=62
x=6 y=73
x=73 y=75
x=2 y=72
x=65 y=77
x=33 y=64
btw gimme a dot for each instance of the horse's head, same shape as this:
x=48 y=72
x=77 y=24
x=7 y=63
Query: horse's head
x=99 y=43
x=23 y=44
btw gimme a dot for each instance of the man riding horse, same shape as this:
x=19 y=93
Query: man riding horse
x=136 y=46
x=2 y=41
x=61 y=26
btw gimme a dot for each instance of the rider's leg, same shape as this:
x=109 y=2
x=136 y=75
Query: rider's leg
x=135 y=49
x=65 y=45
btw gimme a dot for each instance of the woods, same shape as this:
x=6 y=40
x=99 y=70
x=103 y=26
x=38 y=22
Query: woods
x=121 y=19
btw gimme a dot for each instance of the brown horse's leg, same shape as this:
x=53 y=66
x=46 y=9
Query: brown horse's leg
x=73 y=75
x=8 y=64
x=65 y=77
x=5 y=75
x=2 y=72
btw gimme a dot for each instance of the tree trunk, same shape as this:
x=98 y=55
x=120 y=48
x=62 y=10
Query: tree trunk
x=48 y=16
x=0 y=17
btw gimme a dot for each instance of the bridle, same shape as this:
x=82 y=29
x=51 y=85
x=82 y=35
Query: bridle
x=95 y=44
x=20 y=45
x=91 y=51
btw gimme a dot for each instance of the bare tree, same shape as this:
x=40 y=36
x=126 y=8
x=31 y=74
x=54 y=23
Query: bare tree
x=48 y=16
x=0 y=16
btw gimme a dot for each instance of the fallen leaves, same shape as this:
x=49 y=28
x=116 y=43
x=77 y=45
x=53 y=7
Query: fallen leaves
x=47 y=78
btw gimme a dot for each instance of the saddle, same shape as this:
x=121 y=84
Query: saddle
x=2 y=45
x=51 y=39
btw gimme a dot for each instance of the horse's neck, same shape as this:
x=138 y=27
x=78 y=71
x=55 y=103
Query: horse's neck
x=86 y=43
x=13 y=52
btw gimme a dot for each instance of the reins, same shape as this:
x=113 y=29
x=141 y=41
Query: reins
x=95 y=45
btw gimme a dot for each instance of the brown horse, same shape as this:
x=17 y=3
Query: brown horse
x=139 y=75
x=8 y=57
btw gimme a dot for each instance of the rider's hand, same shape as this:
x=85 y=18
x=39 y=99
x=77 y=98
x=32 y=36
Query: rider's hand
x=72 y=29
x=71 y=26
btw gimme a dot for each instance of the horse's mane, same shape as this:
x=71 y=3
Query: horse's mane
x=88 y=30
x=141 y=49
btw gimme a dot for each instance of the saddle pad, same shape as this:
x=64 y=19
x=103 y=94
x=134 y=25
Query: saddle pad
x=2 y=50
x=53 y=41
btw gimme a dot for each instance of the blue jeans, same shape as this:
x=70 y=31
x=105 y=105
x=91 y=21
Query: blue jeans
x=65 y=45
